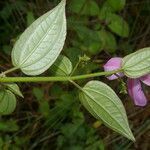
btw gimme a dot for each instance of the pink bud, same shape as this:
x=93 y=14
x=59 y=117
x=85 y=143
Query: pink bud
x=113 y=64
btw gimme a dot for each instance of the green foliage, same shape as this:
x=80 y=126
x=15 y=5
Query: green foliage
x=76 y=134
x=90 y=39
x=108 y=41
x=7 y=102
x=137 y=64
x=30 y=18
x=75 y=6
x=117 y=5
x=84 y=7
x=6 y=49
x=73 y=54
x=38 y=93
x=8 y=126
x=94 y=38
x=105 y=10
x=62 y=66
x=43 y=104
x=51 y=116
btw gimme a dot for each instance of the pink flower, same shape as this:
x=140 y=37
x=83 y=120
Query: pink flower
x=134 y=85
x=113 y=64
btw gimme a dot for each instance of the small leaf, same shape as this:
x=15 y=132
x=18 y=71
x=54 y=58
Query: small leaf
x=137 y=64
x=117 y=5
x=90 y=8
x=105 y=10
x=62 y=66
x=7 y=102
x=73 y=54
x=76 y=5
x=38 y=93
x=108 y=41
x=14 y=88
x=6 y=49
x=9 y=126
x=90 y=39
x=118 y=25
x=41 y=43
x=84 y=7
x=44 y=108
x=102 y=102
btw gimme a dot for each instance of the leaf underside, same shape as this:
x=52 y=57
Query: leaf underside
x=41 y=43
x=102 y=102
x=137 y=64
x=7 y=102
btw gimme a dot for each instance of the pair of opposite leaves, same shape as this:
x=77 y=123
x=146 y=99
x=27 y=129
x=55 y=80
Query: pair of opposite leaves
x=40 y=45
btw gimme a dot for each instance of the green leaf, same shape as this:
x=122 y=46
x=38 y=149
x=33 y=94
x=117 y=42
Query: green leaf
x=90 y=39
x=117 y=5
x=7 y=102
x=30 y=18
x=102 y=102
x=38 y=93
x=14 y=88
x=105 y=10
x=108 y=41
x=118 y=25
x=41 y=43
x=9 y=126
x=137 y=64
x=73 y=54
x=84 y=7
x=44 y=108
x=62 y=66
x=76 y=5
x=90 y=8
x=7 y=49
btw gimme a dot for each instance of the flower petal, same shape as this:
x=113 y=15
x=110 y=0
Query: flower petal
x=146 y=79
x=136 y=92
x=113 y=64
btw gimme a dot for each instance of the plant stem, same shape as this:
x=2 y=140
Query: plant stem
x=76 y=66
x=8 y=71
x=55 y=79
x=76 y=85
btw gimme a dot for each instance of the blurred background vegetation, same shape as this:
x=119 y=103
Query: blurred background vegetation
x=50 y=117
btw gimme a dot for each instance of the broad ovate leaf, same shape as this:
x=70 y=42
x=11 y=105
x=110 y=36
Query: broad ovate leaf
x=41 y=43
x=7 y=102
x=102 y=102
x=13 y=87
x=137 y=64
x=62 y=66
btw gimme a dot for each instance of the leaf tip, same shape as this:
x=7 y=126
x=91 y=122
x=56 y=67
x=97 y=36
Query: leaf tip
x=132 y=138
x=63 y=2
x=21 y=95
